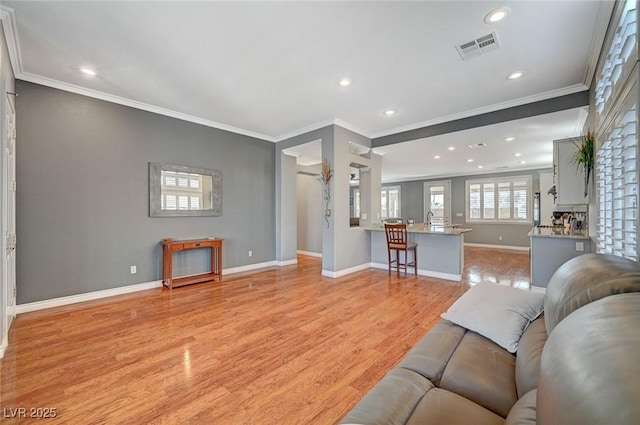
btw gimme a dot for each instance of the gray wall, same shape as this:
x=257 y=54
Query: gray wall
x=310 y=220
x=82 y=199
x=512 y=234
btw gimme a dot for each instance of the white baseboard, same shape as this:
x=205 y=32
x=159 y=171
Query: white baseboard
x=310 y=253
x=539 y=289
x=72 y=299
x=344 y=272
x=509 y=247
x=4 y=345
x=287 y=262
x=88 y=296
x=422 y=272
x=248 y=267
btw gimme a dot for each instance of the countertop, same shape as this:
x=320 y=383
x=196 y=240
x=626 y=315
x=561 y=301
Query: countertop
x=557 y=232
x=422 y=228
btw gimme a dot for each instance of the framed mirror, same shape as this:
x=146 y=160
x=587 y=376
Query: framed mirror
x=181 y=191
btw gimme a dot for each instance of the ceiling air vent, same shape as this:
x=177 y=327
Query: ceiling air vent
x=477 y=145
x=477 y=47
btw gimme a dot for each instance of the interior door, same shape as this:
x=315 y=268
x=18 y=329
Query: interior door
x=9 y=201
x=437 y=200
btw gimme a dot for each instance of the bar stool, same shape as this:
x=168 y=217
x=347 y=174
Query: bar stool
x=397 y=241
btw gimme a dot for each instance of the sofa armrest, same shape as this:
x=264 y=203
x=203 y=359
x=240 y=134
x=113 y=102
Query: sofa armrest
x=430 y=356
x=391 y=401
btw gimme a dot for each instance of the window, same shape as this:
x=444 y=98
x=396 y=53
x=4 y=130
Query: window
x=617 y=185
x=390 y=202
x=500 y=200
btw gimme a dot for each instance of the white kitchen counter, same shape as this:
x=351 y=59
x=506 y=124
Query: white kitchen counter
x=423 y=228
x=440 y=250
x=557 y=232
x=552 y=247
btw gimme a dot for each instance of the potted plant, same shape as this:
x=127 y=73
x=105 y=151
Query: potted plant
x=584 y=158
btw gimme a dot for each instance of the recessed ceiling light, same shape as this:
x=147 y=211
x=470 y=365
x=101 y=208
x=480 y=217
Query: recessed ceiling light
x=509 y=139
x=88 y=71
x=436 y=157
x=451 y=148
x=480 y=166
x=522 y=162
x=389 y=112
x=515 y=75
x=496 y=15
x=345 y=82
x=517 y=154
x=469 y=160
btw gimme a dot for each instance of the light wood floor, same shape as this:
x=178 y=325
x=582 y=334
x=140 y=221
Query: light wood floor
x=281 y=346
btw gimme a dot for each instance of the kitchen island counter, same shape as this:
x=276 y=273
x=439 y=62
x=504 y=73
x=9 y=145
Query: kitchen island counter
x=440 y=249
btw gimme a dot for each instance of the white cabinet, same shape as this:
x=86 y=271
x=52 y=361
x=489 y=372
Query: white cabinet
x=568 y=178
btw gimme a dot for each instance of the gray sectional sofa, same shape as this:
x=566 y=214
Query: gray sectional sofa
x=578 y=364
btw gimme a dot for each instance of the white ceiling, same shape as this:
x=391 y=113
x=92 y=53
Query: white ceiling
x=270 y=69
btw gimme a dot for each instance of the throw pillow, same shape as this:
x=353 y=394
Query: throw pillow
x=500 y=313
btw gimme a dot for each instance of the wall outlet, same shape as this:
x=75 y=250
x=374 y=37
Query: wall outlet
x=364 y=216
x=134 y=269
x=580 y=246
x=459 y=214
x=250 y=253
x=499 y=238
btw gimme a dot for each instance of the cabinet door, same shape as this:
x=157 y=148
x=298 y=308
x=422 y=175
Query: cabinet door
x=569 y=178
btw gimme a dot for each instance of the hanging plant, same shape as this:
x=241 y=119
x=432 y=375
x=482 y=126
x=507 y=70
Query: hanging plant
x=325 y=176
x=584 y=158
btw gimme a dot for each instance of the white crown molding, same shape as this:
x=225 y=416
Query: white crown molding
x=319 y=125
x=605 y=11
x=8 y=17
x=486 y=109
x=137 y=105
x=351 y=127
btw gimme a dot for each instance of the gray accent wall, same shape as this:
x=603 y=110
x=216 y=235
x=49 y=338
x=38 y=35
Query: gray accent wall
x=412 y=204
x=83 y=200
x=309 y=194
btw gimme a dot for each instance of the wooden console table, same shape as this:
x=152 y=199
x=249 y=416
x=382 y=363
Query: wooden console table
x=170 y=246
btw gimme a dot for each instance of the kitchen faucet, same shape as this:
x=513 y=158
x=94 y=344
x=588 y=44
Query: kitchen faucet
x=429 y=216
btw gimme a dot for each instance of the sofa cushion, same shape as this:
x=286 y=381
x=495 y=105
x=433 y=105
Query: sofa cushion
x=500 y=313
x=590 y=366
x=391 y=401
x=524 y=411
x=528 y=356
x=585 y=279
x=430 y=356
x=440 y=407
x=483 y=372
